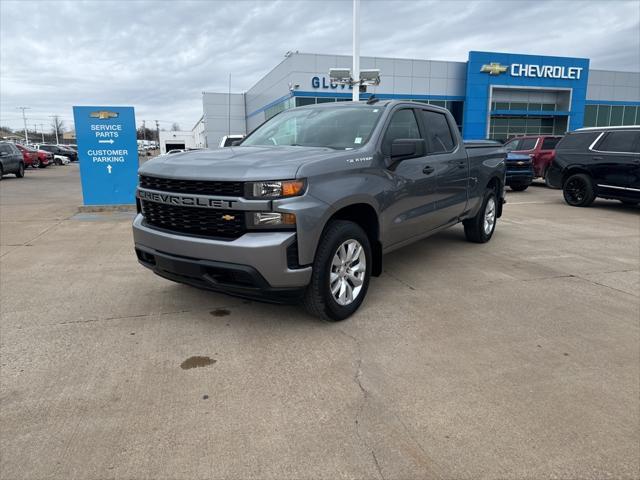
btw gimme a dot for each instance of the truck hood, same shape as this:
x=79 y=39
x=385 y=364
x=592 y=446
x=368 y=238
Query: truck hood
x=237 y=163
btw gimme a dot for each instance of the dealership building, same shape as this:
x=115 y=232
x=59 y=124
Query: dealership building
x=491 y=95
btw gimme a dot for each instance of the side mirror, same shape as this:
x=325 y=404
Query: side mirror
x=407 y=147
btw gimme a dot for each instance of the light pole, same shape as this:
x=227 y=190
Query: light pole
x=24 y=118
x=355 y=72
x=42 y=131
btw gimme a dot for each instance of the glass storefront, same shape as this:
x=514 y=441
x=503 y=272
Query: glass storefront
x=603 y=115
x=505 y=127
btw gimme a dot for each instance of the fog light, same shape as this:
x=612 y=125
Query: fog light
x=272 y=219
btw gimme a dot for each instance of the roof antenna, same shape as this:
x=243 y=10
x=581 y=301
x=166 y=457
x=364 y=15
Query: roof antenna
x=372 y=99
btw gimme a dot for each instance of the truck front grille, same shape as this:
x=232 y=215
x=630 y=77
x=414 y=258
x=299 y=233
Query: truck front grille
x=207 y=222
x=201 y=187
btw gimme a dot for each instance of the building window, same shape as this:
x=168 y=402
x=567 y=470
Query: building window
x=302 y=101
x=603 y=115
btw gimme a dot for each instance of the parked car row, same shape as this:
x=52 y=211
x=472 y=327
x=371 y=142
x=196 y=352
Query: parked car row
x=15 y=157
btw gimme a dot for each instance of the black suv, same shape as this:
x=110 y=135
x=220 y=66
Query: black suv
x=11 y=160
x=59 y=150
x=598 y=162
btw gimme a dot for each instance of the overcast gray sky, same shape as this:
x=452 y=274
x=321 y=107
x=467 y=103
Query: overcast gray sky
x=160 y=55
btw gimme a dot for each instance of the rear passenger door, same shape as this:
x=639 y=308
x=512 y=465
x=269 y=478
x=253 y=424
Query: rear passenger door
x=615 y=160
x=450 y=164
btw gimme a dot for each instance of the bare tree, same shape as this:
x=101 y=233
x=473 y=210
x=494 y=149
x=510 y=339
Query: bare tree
x=175 y=127
x=57 y=126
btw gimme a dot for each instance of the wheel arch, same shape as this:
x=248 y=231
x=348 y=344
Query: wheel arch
x=365 y=216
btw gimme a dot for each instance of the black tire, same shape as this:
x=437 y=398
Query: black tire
x=474 y=228
x=318 y=299
x=36 y=164
x=630 y=202
x=20 y=171
x=578 y=190
x=547 y=182
x=519 y=188
x=1 y=172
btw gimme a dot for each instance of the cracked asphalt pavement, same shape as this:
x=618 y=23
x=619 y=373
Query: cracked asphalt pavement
x=515 y=359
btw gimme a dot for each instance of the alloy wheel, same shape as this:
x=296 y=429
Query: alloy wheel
x=347 y=273
x=489 y=216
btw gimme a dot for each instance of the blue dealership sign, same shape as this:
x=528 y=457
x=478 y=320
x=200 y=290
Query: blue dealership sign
x=490 y=72
x=108 y=153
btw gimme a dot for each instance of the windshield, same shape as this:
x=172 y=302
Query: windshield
x=342 y=128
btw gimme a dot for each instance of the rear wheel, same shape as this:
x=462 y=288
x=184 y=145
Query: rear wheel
x=578 y=190
x=341 y=272
x=519 y=188
x=20 y=172
x=480 y=228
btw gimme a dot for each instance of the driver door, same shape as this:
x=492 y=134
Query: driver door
x=413 y=198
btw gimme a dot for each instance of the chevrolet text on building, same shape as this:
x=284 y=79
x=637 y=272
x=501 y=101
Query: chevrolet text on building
x=545 y=71
x=490 y=94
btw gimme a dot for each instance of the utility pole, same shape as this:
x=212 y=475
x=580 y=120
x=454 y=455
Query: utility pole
x=24 y=118
x=55 y=127
x=144 y=130
x=355 y=72
x=158 y=133
x=42 y=131
x=229 y=108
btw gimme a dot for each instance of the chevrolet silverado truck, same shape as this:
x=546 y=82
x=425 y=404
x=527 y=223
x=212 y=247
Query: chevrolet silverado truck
x=304 y=209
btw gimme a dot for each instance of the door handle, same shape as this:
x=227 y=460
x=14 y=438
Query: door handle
x=427 y=170
x=462 y=164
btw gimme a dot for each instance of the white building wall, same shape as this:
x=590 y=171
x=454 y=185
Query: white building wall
x=222 y=117
x=179 y=137
x=613 y=86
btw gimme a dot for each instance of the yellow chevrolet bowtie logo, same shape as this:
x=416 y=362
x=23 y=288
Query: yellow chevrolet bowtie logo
x=103 y=114
x=228 y=218
x=493 y=69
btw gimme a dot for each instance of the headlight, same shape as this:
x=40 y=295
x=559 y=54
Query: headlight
x=270 y=220
x=276 y=189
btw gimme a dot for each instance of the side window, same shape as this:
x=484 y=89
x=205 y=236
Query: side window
x=438 y=132
x=550 y=143
x=511 y=145
x=5 y=149
x=403 y=124
x=528 y=143
x=624 y=141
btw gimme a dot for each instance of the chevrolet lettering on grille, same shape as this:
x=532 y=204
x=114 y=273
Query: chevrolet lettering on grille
x=185 y=200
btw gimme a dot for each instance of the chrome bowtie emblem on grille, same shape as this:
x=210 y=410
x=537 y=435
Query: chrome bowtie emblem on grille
x=520 y=163
x=228 y=218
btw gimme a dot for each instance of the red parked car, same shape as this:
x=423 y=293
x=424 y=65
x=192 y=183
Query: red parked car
x=46 y=158
x=34 y=158
x=541 y=150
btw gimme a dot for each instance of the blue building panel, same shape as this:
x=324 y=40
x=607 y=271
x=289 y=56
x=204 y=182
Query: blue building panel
x=489 y=69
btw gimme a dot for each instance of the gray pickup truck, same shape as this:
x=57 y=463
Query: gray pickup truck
x=304 y=209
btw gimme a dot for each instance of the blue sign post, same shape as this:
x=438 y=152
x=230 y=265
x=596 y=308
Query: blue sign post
x=108 y=153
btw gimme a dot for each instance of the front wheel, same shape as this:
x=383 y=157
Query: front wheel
x=578 y=190
x=20 y=172
x=480 y=228
x=36 y=164
x=341 y=272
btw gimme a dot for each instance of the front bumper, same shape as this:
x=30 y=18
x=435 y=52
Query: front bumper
x=263 y=252
x=519 y=177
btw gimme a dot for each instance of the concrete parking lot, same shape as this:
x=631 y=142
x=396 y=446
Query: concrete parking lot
x=519 y=358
